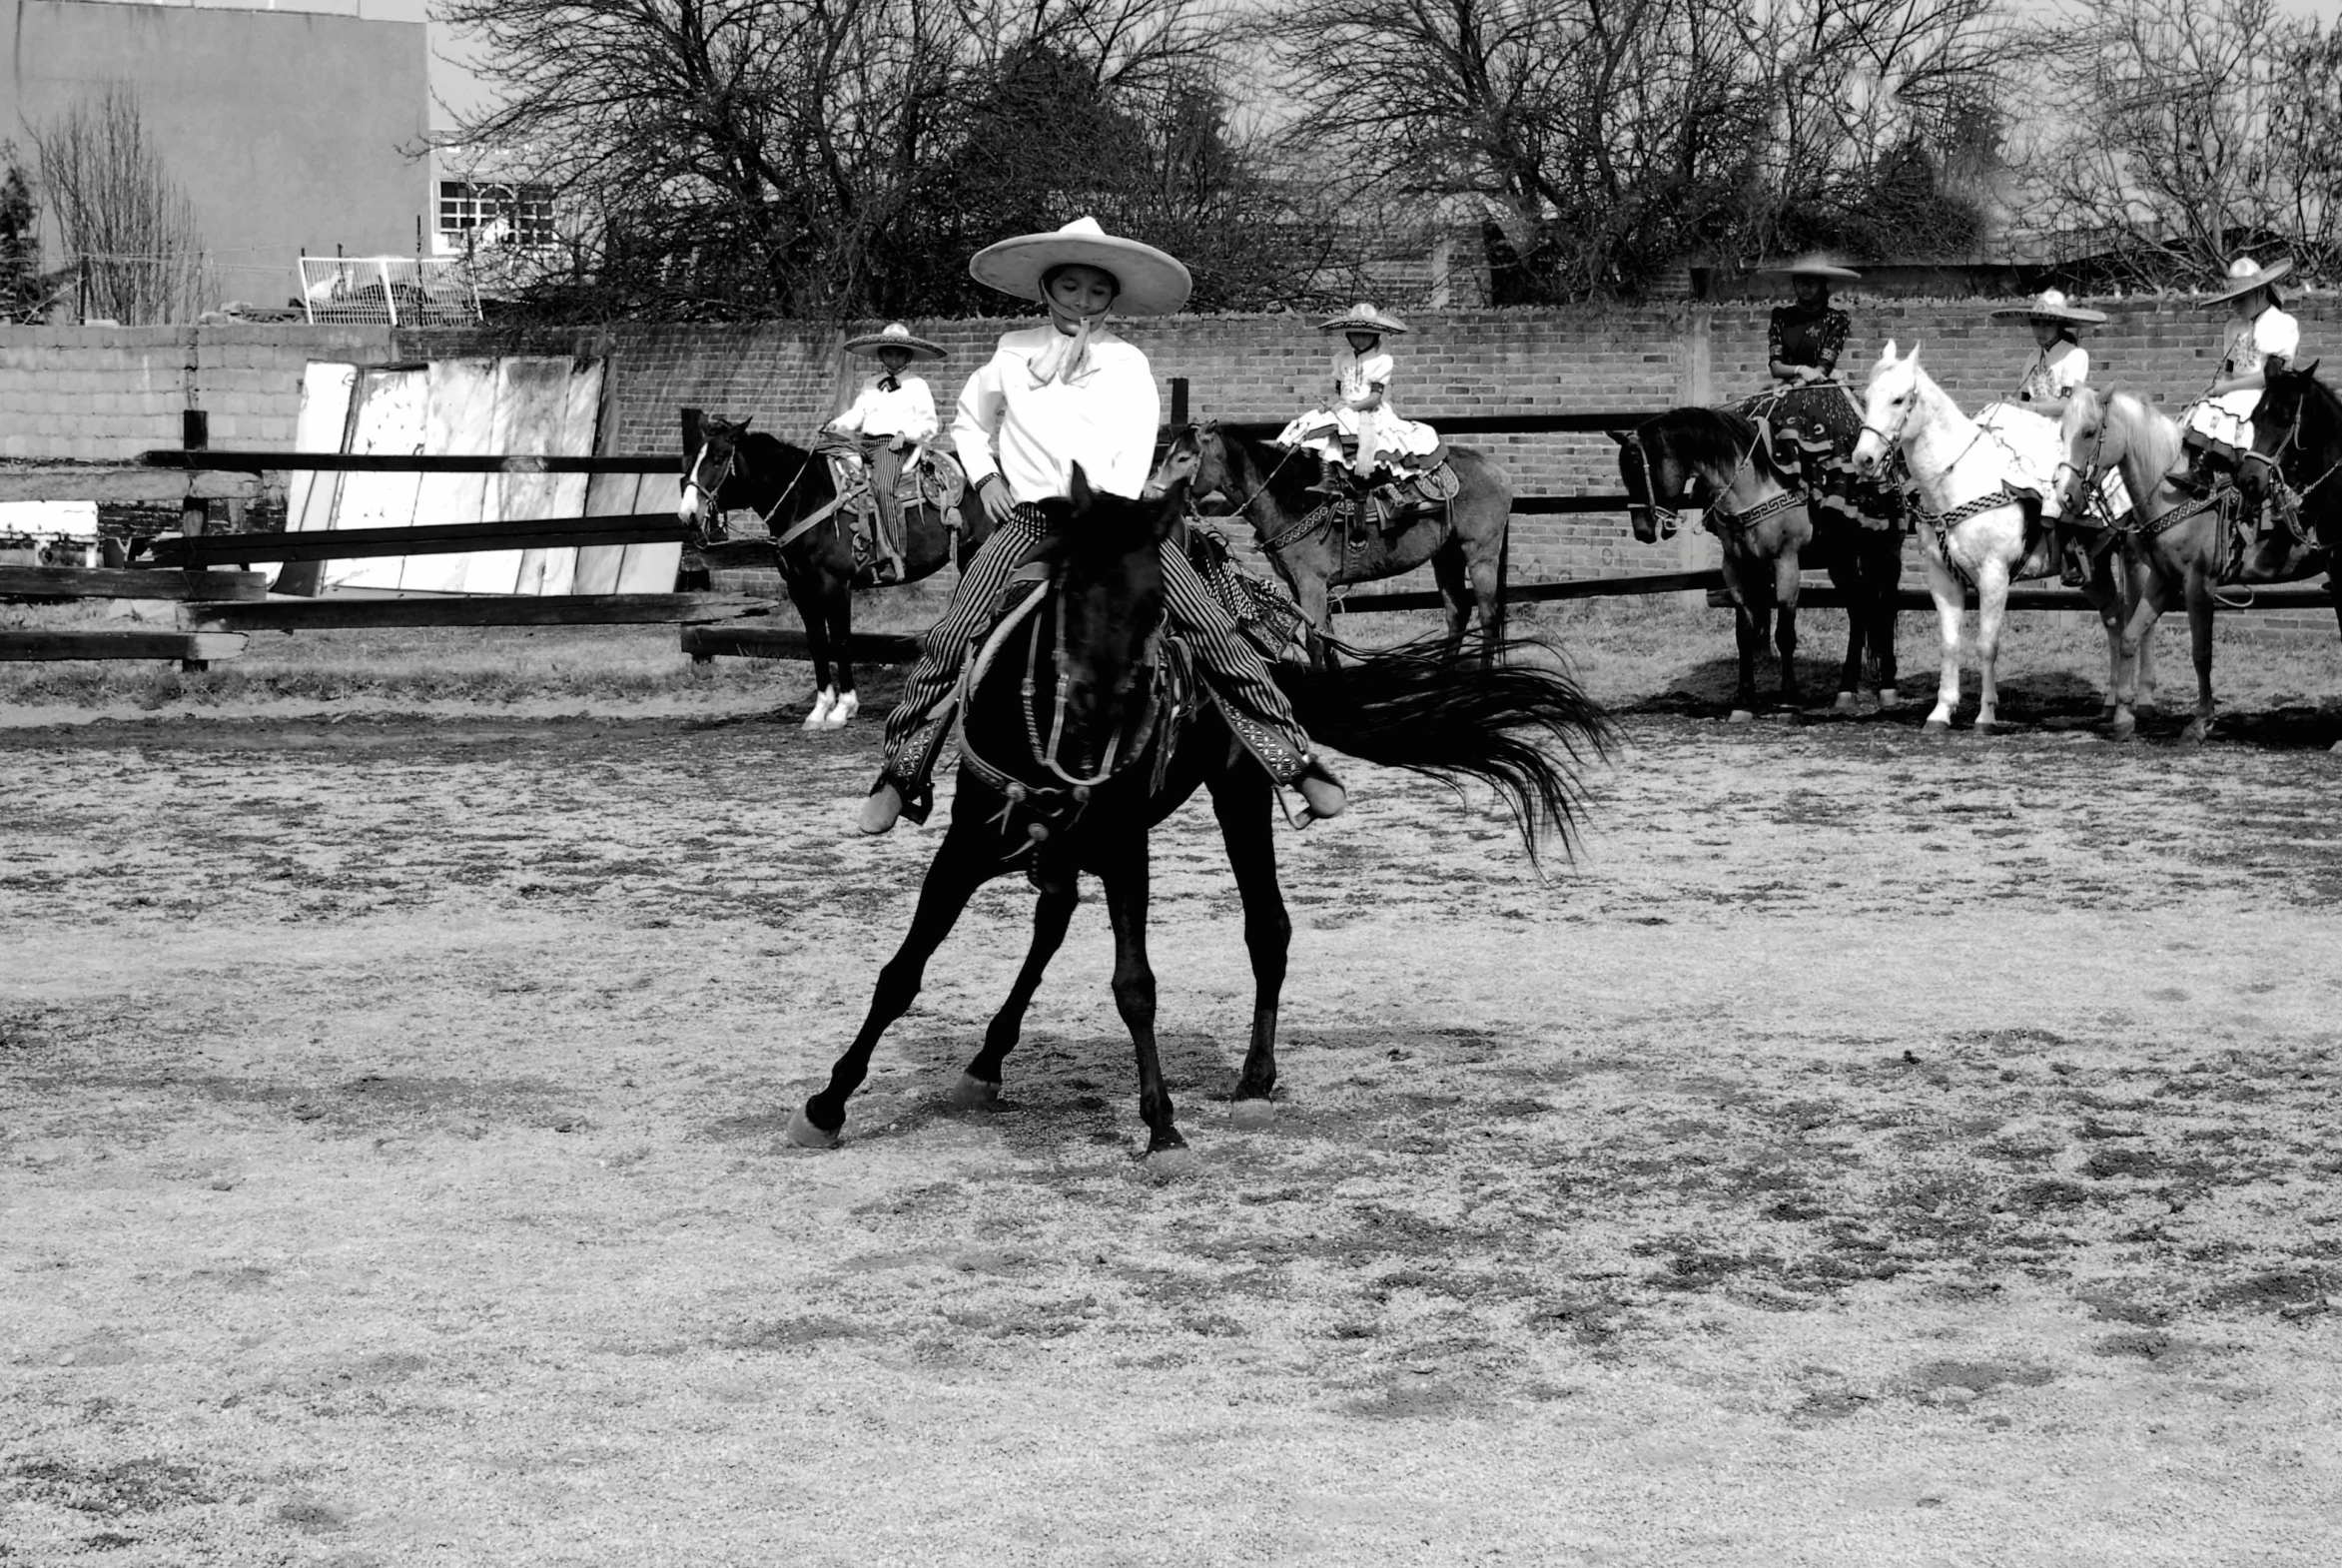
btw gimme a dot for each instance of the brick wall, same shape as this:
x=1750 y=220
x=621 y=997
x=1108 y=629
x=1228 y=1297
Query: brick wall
x=105 y=394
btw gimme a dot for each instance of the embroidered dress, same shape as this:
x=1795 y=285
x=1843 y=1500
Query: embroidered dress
x=2226 y=420
x=1807 y=334
x=1815 y=427
x=1029 y=416
x=2031 y=439
x=1355 y=377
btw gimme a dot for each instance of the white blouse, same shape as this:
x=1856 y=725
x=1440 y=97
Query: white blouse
x=2250 y=343
x=1355 y=377
x=2056 y=372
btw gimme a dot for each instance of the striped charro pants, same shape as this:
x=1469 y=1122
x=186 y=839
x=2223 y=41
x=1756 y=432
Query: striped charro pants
x=1256 y=712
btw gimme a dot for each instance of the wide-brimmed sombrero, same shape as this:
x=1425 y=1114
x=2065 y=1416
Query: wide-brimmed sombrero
x=2246 y=275
x=1814 y=264
x=2051 y=304
x=1153 y=282
x=894 y=335
x=1362 y=318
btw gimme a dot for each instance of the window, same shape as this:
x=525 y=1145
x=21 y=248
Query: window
x=520 y=216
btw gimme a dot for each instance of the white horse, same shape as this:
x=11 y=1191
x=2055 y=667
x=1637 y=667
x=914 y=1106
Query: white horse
x=1980 y=501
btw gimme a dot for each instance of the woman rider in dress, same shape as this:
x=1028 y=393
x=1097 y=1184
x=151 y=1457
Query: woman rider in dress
x=1069 y=391
x=2060 y=364
x=2262 y=340
x=1814 y=430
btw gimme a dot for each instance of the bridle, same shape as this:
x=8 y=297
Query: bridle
x=1057 y=806
x=692 y=481
x=2088 y=472
x=1667 y=518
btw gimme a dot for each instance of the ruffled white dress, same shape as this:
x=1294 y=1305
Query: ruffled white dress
x=2227 y=417
x=1356 y=380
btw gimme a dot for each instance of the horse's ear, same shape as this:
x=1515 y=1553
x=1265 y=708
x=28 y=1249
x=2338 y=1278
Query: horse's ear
x=744 y=424
x=1079 y=491
x=1887 y=354
x=1623 y=437
x=1913 y=358
x=1169 y=511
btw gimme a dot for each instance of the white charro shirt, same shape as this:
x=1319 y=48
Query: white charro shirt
x=1032 y=434
x=908 y=410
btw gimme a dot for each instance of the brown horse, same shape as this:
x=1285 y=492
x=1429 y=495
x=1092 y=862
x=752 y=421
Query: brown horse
x=811 y=542
x=1763 y=516
x=2188 y=545
x=1303 y=536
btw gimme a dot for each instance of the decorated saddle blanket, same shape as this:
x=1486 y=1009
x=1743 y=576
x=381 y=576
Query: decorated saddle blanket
x=935 y=480
x=1396 y=498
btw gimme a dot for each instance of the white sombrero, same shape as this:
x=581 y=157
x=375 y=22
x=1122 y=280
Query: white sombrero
x=2246 y=275
x=894 y=335
x=1814 y=264
x=1153 y=282
x=2051 y=304
x=1362 y=318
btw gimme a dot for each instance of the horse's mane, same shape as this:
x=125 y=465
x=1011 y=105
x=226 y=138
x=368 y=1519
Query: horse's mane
x=1712 y=439
x=2154 y=435
x=1282 y=471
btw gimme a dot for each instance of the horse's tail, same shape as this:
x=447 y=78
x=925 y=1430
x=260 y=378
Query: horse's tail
x=1423 y=708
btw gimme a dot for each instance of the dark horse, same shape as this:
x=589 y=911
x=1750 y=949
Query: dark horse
x=1299 y=533
x=1079 y=732
x=812 y=541
x=1719 y=461
x=2296 y=462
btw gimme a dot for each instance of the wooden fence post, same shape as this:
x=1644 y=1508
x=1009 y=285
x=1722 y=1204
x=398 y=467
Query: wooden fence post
x=195 y=514
x=1179 y=406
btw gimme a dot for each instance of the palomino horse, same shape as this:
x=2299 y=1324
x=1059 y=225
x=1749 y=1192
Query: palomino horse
x=2196 y=543
x=811 y=542
x=1976 y=529
x=1079 y=734
x=1718 y=460
x=1300 y=532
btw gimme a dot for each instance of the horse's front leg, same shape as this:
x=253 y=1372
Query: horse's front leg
x=2199 y=637
x=1747 y=638
x=841 y=629
x=1992 y=615
x=980 y=1085
x=806 y=597
x=1951 y=601
x=1241 y=800
x=1785 y=581
x=1309 y=591
x=1881 y=557
x=1124 y=871
x=2123 y=723
x=964 y=864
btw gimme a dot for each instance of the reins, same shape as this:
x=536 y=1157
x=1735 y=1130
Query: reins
x=1061 y=804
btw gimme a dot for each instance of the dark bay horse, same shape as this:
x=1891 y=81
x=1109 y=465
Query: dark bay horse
x=1764 y=517
x=1299 y=533
x=1079 y=732
x=2296 y=464
x=811 y=542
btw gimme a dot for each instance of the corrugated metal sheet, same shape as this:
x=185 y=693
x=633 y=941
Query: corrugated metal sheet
x=512 y=406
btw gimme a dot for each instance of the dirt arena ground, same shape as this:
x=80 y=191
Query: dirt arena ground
x=1872 y=1150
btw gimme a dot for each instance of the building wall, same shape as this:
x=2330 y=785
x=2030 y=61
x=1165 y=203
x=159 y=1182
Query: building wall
x=104 y=395
x=284 y=128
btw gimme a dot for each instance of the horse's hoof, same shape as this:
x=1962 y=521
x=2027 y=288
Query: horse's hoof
x=1741 y=716
x=974 y=1094
x=847 y=706
x=1847 y=702
x=820 y=716
x=805 y=1134
x=1175 y=1163
x=2197 y=732
x=2107 y=714
x=1889 y=698
x=1252 y=1116
x=2122 y=726
x=1935 y=726
x=2335 y=749
x=1987 y=726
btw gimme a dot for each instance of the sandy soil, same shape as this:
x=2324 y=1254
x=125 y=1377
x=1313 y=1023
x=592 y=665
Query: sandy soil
x=1870 y=1151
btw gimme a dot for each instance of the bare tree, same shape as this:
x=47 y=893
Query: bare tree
x=1612 y=139
x=840 y=157
x=121 y=218
x=2184 y=130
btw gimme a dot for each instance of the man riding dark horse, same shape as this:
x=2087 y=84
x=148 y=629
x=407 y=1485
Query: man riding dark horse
x=881 y=440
